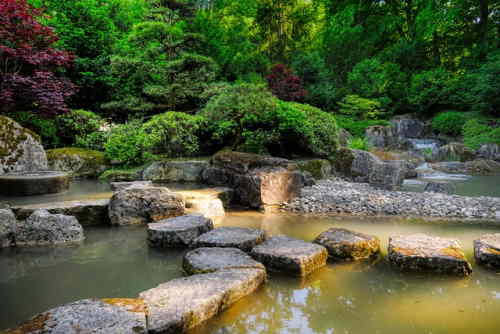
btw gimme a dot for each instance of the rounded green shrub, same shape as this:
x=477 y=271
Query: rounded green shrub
x=127 y=144
x=477 y=133
x=81 y=128
x=449 y=122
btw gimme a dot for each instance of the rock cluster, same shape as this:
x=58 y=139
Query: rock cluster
x=396 y=134
x=348 y=245
x=487 y=250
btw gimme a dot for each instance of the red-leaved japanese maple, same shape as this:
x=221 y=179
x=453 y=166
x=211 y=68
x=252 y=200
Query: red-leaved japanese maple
x=29 y=64
x=285 y=85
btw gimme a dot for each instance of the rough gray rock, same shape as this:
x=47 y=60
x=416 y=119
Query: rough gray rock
x=489 y=152
x=118 y=186
x=178 y=231
x=209 y=207
x=344 y=137
x=97 y=316
x=209 y=259
x=388 y=174
x=423 y=253
x=436 y=187
x=175 y=171
x=487 y=250
x=454 y=152
x=141 y=205
x=7 y=227
x=348 y=245
x=87 y=212
x=396 y=134
x=319 y=168
x=476 y=167
x=77 y=162
x=379 y=136
x=407 y=127
x=20 y=149
x=183 y=303
x=290 y=255
x=233 y=237
x=44 y=228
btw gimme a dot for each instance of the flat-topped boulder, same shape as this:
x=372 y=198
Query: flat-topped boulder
x=143 y=204
x=7 y=227
x=175 y=171
x=117 y=186
x=87 y=212
x=348 y=245
x=99 y=316
x=181 y=304
x=33 y=183
x=178 y=231
x=233 y=237
x=209 y=259
x=423 y=253
x=487 y=250
x=289 y=255
x=43 y=228
x=77 y=162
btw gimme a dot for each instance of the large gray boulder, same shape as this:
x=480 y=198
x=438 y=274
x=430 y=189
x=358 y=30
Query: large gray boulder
x=407 y=127
x=379 y=136
x=290 y=255
x=87 y=212
x=487 y=250
x=343 y=244
x=178 y=231
x=454 y=152
x=7 y=227
x=97 y=316
x=210 y=259
x=233 y=237
x=20 y=149
x=181 y=304
x=423 y=253
x=489 y=152
x=43 y=228
x=117 y=186
x=175 y=171
x=319 y=168
x=77 y=162
x=143 y=204
x=397 y=134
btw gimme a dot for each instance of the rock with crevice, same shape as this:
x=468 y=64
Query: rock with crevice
x=7 y=227
x=343 y=244
x=423 y=253
x=285 y=254
x=487 y=250
x=178 y=231
x=233 y=237
x=210 y=259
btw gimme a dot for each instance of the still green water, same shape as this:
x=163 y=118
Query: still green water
x=340 y=298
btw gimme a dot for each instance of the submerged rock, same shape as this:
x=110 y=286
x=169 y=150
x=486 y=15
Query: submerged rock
x=233 y=237
x=7 y=227
x=436 y=187
x=181 y=304
x=348 y=245
x=143 y=204
x=77 y=162
x=290 y=255
x=175 y=171
x=178 y=231
x=43 y=228
x=209 y=259
x=487 y=250
x=423 y=253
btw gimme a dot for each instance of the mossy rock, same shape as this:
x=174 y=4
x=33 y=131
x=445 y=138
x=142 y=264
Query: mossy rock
x=78 y=162
x=342 y=161
x=319 y=168
x=122 y=175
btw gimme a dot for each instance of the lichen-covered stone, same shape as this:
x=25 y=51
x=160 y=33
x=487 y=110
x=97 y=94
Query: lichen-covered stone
x=87 y=212
x=209 y=259
x=7 y=227
x=44 y=228
x=117 y=186
x=97 y=316
x=77 y=162
x=181 y=304
x=143 y=204
x=348 y=245
x=233 y=237
x=319 y=168
x=290 y=255
x=487 y=250
x=175 y=171
x=178 y=231
x=423 y=253
x=20 y=149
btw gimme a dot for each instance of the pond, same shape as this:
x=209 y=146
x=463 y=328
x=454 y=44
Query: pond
x=340 y=298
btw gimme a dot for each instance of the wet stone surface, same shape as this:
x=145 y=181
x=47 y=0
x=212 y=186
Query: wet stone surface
x=178 y=231
x=234 y=237
x=487 y=250
x=343 y=244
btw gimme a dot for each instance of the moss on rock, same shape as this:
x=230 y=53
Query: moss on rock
x=319 y=168
x=78 y=162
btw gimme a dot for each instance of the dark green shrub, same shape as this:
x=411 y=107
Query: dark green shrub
x=477 y=133
x=357 y=127
x=358 y=143
x=449 y=122
x=76 y=125
x=361 y=108
x=127 y=144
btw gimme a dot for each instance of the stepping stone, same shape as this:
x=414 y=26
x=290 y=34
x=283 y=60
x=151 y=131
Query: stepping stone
x=423 y=253
x=99 y=316
x=290 y=255
x=348 y=245
x=234 y=237
x=181 y=304
x=178 y=231
x=487 y=250
x=118 y=186
x=210 y=259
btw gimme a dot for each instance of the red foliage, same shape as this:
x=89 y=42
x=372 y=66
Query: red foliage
x=28 y=62
x=285 y=85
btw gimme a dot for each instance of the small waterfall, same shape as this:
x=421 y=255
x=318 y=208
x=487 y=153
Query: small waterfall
x=424 y=144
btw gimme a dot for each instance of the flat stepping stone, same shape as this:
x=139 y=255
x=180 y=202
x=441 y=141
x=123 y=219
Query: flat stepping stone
x=233 y=237
x=99 y=316
x=348 y=245
x=423 y=253
x=487 y=250
x=181 y=304
x=211 y=259
x=290 y=255
x=178 y=231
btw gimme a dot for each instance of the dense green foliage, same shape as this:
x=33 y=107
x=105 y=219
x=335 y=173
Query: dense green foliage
x=127 y=144
x=477 y=133
x=449 y=122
